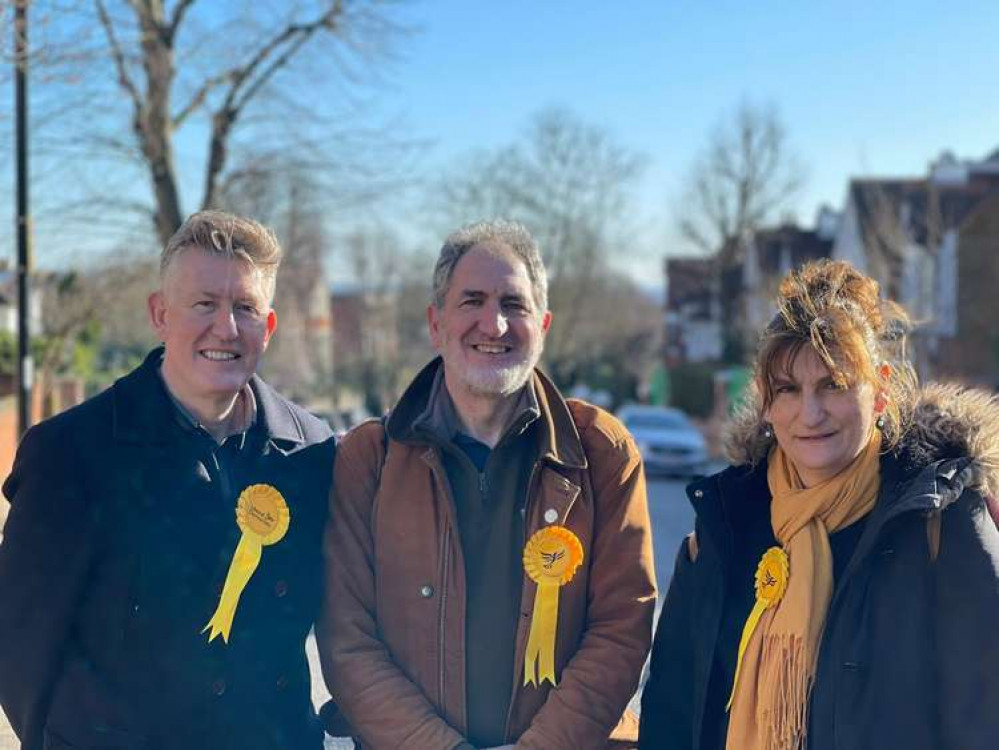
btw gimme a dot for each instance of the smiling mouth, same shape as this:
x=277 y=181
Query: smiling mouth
x=816 y=438
x=216 y=355
x=492 y=348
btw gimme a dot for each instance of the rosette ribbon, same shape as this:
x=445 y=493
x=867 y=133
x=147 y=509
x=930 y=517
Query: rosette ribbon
x=263 y=516
x=551 y=558
x=771 y=582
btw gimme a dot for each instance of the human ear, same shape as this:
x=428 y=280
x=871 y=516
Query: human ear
x=156 y=306
x=433 y=325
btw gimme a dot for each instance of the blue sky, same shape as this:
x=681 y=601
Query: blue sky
x=873 y=88
x=863 y=88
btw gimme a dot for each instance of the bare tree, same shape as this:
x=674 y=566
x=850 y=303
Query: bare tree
x=177 y=93
x=744 y=178
x=99 y=310
x=289 y=200
x=569 y=182
x=387 y=303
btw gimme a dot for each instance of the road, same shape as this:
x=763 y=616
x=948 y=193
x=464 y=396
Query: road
x=672 y=519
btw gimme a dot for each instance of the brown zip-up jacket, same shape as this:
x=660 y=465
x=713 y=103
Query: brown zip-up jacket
x=391 y=639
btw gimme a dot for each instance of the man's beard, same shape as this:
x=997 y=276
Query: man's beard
x=504 y=380
x=498 y=381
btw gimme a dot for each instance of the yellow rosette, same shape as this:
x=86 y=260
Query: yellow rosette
x=771 y=582
x=263 y=516
x=551 y=558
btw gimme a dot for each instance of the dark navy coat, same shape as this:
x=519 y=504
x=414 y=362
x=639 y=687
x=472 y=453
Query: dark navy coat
x=120 y=534
x=909 y=659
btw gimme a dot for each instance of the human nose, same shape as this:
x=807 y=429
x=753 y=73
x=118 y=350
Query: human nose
x=224 y=324
x=493 y=322
x=813 y=409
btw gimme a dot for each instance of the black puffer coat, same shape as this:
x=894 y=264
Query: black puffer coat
x=909 y=659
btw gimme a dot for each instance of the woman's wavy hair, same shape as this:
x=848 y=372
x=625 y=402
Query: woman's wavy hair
x=839 y=311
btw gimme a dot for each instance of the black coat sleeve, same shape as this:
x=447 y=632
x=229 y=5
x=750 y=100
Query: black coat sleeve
x=47 y=551
x=967 y=615
x=667 y=700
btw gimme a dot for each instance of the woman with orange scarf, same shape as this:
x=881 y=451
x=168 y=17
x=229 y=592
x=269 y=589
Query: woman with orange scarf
x=841 y=588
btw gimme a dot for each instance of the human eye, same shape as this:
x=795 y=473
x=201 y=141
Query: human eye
x=780 y=388
x=247 y=308
x=470 y=302
x=204 y=305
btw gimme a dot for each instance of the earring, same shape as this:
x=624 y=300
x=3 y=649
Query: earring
x=880 y=422
x=768 y=431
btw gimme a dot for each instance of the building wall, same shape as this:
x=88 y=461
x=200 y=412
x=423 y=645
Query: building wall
x=849 y=245
x=972 y=354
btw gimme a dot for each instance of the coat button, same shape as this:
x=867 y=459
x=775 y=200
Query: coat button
x=281 y=588
x=281 y=683
x=551 y=515
x=426 y=591
x=218 y=687
x=698 y=494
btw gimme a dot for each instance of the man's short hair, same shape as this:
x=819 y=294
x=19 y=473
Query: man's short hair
x=509 y=233
x=231 y=236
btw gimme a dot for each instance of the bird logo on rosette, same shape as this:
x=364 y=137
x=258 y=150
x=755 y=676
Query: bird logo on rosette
x=551 y=558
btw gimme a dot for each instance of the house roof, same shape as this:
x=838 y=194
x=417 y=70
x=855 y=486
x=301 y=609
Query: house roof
x=920 y=208
x=789 y=242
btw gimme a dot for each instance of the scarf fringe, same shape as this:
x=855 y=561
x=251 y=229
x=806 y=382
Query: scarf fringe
x=787 y=678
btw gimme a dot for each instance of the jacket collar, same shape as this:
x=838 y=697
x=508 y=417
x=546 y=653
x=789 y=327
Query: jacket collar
x=560 y=441
x=143 y=413
x=722 y=501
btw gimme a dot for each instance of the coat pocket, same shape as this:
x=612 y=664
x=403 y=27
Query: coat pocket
x=85 y=715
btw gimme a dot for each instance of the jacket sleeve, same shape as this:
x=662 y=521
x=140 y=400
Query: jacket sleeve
x=667 y=700
x=967 y=611
x=603 y=674
x=47 y=552
x=385 y=708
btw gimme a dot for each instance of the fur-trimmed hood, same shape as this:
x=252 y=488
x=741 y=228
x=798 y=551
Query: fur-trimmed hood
x=947 y=421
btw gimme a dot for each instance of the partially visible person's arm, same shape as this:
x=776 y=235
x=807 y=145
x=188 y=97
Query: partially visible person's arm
x=382 y=705
x=967 y=615
x=47 y=552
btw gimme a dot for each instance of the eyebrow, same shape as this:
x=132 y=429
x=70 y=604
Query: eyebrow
x=478 y=293
x=779 y=380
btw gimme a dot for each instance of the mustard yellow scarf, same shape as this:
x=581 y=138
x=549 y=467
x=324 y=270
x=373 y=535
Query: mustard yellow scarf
x=770 y=697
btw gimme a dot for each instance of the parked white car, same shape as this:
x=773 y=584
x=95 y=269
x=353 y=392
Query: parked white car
x=669 y=443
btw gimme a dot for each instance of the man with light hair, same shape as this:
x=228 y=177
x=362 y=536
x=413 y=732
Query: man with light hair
x=489 y=540
x=161 y=564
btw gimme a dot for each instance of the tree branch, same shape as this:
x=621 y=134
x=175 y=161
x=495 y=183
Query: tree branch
x=240 y=76
x=178 y=17
x=124 y=80
x=199 y=97
x=245 y=85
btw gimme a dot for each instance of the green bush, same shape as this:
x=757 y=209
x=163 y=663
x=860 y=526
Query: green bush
x=692 y=389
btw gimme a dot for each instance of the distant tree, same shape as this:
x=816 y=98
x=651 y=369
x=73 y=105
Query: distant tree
x=569 y=183
x=290 y=201
x=745 y=177
x=94 y=319
x=390 y=295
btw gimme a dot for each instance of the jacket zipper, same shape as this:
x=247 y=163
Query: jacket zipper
x=517 y=672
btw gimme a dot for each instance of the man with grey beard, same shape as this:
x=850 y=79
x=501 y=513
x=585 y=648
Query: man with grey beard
x=489 y=540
